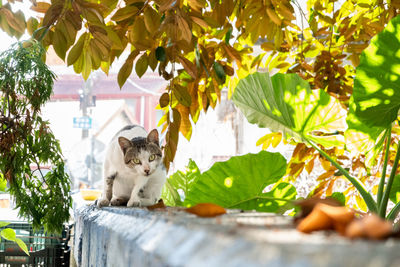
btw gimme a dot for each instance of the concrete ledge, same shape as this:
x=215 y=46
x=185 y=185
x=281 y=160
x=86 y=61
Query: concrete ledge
x=117 y=236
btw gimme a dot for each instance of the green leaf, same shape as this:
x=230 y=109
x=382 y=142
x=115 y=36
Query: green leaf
x=3 y=183
x=240 y=181
x=182 y=95
x=219 y=70
x=3 y=224
x=395 y=190
x=160 y=53
x=22 y=245
x=76 y=50
x=376 y=92
x=125 y=72
x=228 y=36
x=59 y=43
x=141 y=65
x=339 y=197
x=114 y=38
x=8 y=234
x=87 y=65
x=285 y=103
x=361 y=138
x=182 y=180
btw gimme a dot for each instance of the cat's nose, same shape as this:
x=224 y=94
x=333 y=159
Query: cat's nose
x=147 y=171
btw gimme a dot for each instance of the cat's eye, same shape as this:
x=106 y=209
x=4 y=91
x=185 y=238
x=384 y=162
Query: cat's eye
x=136 y=161
x=152 y=157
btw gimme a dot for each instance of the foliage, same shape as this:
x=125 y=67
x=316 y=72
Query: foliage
x=285 y=103
x=314 y=114
x=198 y=44
x=374 y=104
x=8 y=233
x=239 y=183
x=182 y=181
x=26 y=142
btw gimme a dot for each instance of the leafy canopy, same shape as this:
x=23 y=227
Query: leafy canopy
x=26 y=142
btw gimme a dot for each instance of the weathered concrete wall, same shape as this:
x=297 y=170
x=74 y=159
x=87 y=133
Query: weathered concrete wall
x=136 y=237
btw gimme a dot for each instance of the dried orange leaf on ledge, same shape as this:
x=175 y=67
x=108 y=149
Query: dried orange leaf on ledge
x=337 y=214
x=159 y=205
x=206 y=210
x=316 y=220
x=307 y=205
x=324 y=217
x=371 y=226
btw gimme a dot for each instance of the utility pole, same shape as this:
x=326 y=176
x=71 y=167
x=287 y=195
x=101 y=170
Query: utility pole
x=87 y=100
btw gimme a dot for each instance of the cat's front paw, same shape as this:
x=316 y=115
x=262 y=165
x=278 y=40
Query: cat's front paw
x=118 y=201
x=103 y=202
x=134 y=203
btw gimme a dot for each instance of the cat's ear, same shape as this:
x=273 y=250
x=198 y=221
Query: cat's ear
x=153 y=137
x=124 y=143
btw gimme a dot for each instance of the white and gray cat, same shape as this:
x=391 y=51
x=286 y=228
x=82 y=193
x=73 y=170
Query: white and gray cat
x=133 y=170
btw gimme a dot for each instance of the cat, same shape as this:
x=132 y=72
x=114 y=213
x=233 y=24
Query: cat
x=133 y=170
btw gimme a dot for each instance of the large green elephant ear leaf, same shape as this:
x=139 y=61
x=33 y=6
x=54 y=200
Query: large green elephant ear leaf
x=239 y=183
x=285 y=103
x=376 y=91
x=363 y=139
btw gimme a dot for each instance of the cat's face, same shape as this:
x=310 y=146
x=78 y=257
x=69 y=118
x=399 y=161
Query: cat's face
x=142 y=154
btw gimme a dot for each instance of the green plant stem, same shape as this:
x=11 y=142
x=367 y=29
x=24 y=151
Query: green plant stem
x=383 y=177
x=371 y=204
x=385 y=199
x=393 y=213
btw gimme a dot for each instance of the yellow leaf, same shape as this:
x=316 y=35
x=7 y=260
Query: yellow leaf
x=78 y=65
x=32 y=25
x=276 y=139
x=200 y=22
x=197 y=4
x=264 y=139
x=87 y=65
x=189 y=67
x=95 y=54
x=153 y=62
x=151 y=19
x=375 y=189
x=268 y=46
x=184 y=28
x=182 y=95
x=141 y=65
x=186 y=125
x=13 y=20
x=126 y=69
x=125 y=13
x=310 y=165
x=76 y=50
x=325 y=175
x=266 y=144
x=285 y=12
x=59 y=43
x=40 y=7
x=137 y=31
x=361 y=203
x=274 y=17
